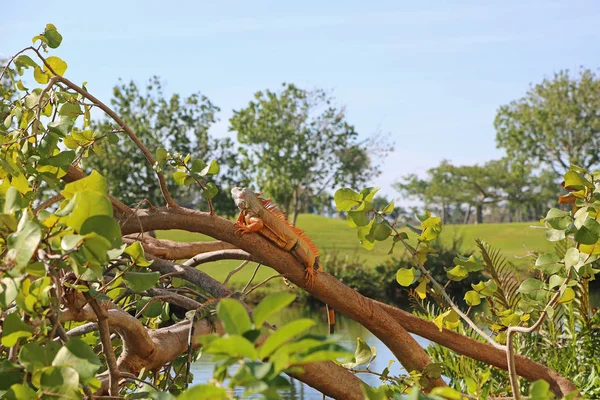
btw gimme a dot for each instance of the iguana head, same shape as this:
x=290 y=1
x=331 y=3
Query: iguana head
x=244 y=198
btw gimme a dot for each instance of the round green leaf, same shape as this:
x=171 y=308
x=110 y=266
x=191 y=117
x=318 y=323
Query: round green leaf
x=140 y=281
x=104 y=226
x=405 y=276
x=346 y=198
x=78 y=355
x=472 y=298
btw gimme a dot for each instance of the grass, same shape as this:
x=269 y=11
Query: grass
x=334 y=235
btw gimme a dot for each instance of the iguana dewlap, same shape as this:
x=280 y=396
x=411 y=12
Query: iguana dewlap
x=263 y=216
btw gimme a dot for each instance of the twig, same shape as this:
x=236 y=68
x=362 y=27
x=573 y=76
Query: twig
x=107 y=349
x=262 y=283
x=231 y=273
x=252 y=277
x=48 y=203
x=510 y=353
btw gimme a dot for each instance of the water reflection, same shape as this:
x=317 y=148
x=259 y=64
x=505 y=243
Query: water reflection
x=348 y=330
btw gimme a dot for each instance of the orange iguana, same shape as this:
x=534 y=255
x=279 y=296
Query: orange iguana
x=263 y=216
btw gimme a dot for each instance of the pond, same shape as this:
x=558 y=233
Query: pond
x=348 y=330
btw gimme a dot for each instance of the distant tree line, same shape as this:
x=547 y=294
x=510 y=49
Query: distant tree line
x=555 y=125
x=292 y=145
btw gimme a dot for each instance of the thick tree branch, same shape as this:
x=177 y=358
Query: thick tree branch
x=172 y=250
x=326 y=288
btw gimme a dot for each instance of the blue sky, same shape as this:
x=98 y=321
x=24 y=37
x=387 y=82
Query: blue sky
x=431 y=74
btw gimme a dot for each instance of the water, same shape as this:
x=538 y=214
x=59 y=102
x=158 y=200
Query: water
x=347 y=329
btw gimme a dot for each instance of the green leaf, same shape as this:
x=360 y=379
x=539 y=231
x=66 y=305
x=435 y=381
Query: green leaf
x=71 y=110
x=151 y=311
x=234 y=316
x=210 y=191
x=19 y=392
x=540 y=390
x=161 y=154
x=211 y=169
x=181 y=178
x=576 y=181
x=78 y=355
x=40 y=76
x=57 y=65
x=568 y=296
x=14 y=329
x=368 y=194
x=382 y=231
x=198 y=165
x=472 y=298
x=558 y=219
x=9 y=289
x=136 y=251
x=62 y=126
x=358 y=218
x=388 y=209
x=69 y=242
x=234 y=346
x=209 y=392
x=282 y=335
x=22 y=244
x=95 y=248
x=93 y=182
x=530 y=285
x=34 y=356
x=346 y=198
x=12 y=202
x=548 y=263
x=62 y=381
x=62 y=159
x=140 y=281
x=53 y=38
x=555 y=281
x=458 y=273
x=10 y=374
x=88 y=204
x=589 y=233
x=104 y=226
x=270 y=305
x=362 y=354
x=406 y=276
x=571 y=257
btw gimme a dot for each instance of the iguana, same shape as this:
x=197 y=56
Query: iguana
x=263 y=216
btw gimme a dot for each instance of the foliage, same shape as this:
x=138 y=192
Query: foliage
x=496 y=183
x=556 y=123
x=65 y=261
x=244 y=359
x=296 y=140
x=180 y=124
x=516 y=305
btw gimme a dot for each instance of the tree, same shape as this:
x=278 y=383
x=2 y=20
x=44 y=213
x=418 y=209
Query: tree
x=557 y=123
x=295 y=140
x=80 y=264
x=178 y=124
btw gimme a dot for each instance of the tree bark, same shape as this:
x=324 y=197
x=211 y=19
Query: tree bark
x=468 y=214
x=479 y=208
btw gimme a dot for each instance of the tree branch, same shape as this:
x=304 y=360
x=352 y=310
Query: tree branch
x=326 y=288
x=172 y=250
x=107 y=349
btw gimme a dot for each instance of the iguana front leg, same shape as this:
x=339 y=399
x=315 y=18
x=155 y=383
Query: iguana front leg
x=247 y=223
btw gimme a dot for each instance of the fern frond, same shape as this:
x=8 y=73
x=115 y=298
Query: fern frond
x=502 y=272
